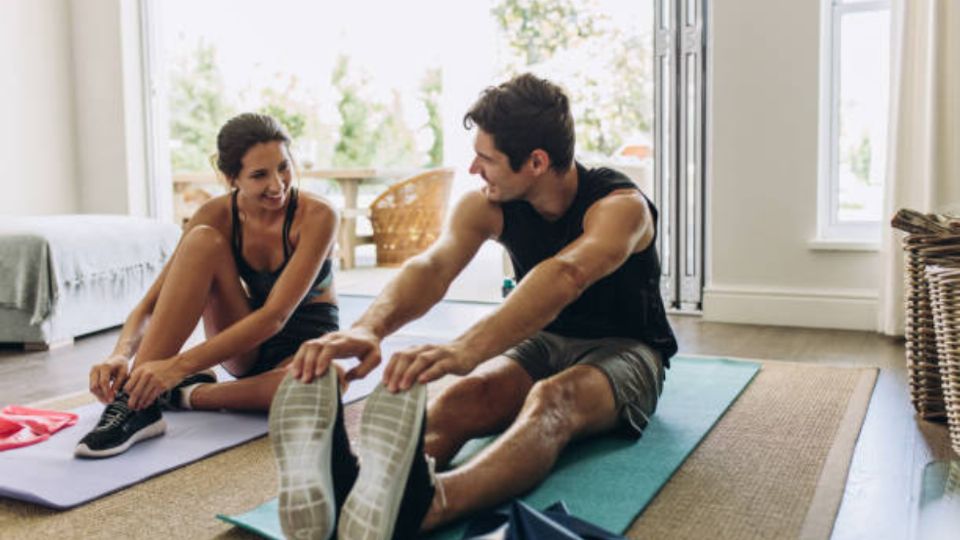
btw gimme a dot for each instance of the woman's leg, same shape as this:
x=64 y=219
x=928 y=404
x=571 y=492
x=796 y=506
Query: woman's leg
x=202 y=281
x=249 y=394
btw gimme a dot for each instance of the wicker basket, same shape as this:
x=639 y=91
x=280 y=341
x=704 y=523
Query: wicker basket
x=945 y=299
x=408 y=216
x=923 y=362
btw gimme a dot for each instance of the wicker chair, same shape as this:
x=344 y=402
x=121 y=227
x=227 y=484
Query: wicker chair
x=407 y=217
x=933 y=242
x=945 y=299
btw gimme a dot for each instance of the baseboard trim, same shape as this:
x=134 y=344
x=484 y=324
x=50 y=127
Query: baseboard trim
x=848 y=309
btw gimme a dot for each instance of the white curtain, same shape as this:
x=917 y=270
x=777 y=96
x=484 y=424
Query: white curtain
x=923 y=164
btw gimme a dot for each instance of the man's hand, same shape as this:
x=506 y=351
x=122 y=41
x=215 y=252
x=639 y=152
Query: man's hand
x=150 y=379
x=314 y=356
x=107 y=377
x=425 y=363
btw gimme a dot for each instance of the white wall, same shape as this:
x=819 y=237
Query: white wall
x=36 y=108
x=762 y=179
x=109 y=111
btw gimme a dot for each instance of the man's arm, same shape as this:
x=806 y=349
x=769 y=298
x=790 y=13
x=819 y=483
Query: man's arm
x=614 y=228
x=425 y=279
x=421 y=283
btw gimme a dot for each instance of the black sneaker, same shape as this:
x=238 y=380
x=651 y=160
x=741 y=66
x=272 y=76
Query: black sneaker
x=120 y=428
x=172 y=400
x=395 y=488
x=316 y=466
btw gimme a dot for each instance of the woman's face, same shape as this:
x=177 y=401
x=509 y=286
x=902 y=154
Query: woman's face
x=266 y=175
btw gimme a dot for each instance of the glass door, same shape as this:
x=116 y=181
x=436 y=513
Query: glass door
x=679 y=128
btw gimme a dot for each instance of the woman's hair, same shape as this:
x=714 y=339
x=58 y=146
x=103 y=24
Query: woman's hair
x=242 y=132
x=523 y=114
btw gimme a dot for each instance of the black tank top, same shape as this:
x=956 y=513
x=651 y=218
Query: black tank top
x=260 y=283
x=626 y=303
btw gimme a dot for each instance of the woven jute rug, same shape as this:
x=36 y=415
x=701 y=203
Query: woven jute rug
x=773 y=467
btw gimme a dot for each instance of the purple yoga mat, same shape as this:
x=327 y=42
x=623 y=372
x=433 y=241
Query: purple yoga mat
x=49 y=475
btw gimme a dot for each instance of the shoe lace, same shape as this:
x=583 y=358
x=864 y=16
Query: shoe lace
x=435 y=481
x=114 y=414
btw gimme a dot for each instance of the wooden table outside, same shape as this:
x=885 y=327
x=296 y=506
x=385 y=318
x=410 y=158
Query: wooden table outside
x=349 y=180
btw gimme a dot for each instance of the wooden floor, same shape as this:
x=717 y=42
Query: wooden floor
x=881 y=499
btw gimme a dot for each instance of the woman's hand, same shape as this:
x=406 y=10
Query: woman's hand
x=151 y=379
x=107 y=377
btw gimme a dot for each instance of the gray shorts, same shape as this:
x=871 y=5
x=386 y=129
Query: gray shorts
x=635 y=370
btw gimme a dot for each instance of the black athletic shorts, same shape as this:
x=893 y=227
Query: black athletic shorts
x=307 y=322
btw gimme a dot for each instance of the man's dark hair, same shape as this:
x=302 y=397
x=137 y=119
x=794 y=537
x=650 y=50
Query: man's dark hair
x=523 y=114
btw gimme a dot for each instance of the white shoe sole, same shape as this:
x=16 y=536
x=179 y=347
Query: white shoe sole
x=153 y=430
x=301 y=433
x=389 y=432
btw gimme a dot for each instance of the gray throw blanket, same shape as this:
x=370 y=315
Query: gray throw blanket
x=41 y=255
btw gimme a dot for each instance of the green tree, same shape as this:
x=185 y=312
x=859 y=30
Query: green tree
x=283 y=105
x=430 y=89
x=356 y=146
x=859 y=157
x=606 y=74
x=197 y=108
x=537 y=29
x=393 y=141
x=294 y=122
x=614 y=100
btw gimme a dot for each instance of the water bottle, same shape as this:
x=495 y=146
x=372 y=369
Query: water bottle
x=508 y=285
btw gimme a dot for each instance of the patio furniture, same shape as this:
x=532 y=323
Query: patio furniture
x=349 y=181
x=407 y=217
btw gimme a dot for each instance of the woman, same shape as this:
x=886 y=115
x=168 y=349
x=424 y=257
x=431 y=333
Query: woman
x=255 y=265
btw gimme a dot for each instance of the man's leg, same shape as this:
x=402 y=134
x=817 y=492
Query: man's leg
x=480 y=404
x=574 y=403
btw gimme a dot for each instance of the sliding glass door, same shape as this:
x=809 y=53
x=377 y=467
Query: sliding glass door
x=679 y=128
x=378 y=85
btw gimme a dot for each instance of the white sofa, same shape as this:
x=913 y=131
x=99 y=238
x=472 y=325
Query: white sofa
x=68 y=275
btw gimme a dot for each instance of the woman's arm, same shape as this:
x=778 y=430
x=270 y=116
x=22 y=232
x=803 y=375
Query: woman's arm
x=317 y=234
x=317 y=231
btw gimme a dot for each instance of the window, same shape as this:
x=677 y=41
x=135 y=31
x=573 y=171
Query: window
x=372 y=85
x=854 y=110
x=357 y=92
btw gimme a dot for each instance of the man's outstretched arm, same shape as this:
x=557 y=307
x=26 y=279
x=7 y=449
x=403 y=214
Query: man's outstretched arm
x=614 y=228
x=421 y=283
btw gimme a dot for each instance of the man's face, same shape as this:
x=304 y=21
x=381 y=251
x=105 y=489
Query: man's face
x=493 y=166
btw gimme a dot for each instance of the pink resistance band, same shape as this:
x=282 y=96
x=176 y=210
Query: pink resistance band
x=21 y=426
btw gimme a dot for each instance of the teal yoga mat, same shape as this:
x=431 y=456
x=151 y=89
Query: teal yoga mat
x=609 y=480
x=939 y=516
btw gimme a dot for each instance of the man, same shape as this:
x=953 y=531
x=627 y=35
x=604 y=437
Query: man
x=579 y=348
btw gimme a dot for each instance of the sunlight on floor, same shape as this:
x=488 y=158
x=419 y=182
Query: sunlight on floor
x=480 y=281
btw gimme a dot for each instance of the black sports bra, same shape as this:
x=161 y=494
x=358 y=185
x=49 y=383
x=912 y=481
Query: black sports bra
x=260 y=283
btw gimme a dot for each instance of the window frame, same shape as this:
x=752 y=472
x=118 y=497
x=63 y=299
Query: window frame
x=829 y=228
